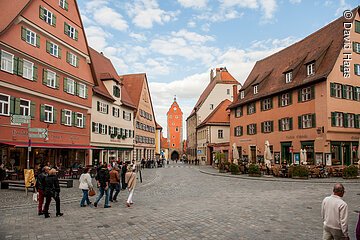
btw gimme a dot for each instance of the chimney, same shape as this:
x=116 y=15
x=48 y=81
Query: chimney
x=235 y=93
x=211 y=75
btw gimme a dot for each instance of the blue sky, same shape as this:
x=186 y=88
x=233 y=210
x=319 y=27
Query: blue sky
x=177 y=42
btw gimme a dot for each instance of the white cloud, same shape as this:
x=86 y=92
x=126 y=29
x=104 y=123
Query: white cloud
x=342 y=7
x=138 y=36
x=192 y=36
x=193 y=3
x=191 y=24
x=106 y=16
x=295 y=1
x=269 y=8
x=97 y=37
x=145 y=13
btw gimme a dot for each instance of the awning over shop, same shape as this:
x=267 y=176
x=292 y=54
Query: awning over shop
x=115 y=148
x=48 y=145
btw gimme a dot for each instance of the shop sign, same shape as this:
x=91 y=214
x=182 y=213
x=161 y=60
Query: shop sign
x=38 y=133
x=19 y=119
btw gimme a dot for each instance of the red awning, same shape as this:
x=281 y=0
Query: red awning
x=48 y=145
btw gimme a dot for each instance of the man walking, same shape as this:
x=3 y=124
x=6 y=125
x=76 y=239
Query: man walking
x=103 y=179
x=40 y=188
x=334 y=212
x=114 y=184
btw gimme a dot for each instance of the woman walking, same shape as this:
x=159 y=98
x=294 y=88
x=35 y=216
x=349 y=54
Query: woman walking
x=52 y=190
x=85 y=185
x=130 y=179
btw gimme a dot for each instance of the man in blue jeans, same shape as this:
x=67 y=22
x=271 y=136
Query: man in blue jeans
x=103 y=180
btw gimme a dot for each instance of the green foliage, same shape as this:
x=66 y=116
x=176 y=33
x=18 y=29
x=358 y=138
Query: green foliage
x=254 y=169
x=220 y=156
x=234 y=169
x=299 y=171
x=350 y=172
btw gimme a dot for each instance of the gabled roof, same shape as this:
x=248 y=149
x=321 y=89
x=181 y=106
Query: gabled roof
x=220 y=115
x=174 y=104
x=134 y=84
x=125 y=98
x=158 y=126
x=222 y=76
x=10 y=11
x=322 y=47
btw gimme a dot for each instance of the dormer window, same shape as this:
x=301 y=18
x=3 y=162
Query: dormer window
x=310 y=69
x=288 y=77
x=256 y=90
x=116 y=91
x=242 y=94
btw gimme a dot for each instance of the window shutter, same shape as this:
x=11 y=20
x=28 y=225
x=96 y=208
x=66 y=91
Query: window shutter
x=54 y=20
x=241 y=130
x=76 y=34
x=32 y=109
x=62 y=116
x=20 y=66
x=41 y=13
x=356 y=69
x=345 y=116
x=17 y=106
x=299 y=95
x=66 y=28
x=55 y=115
x=67 y=57
x=35 y=73
x=86 y=92
x=271 y=103
x=280 y=126
x=42 y=112
x=65 y=84
x=332 y=89
x=113 y=111
x=57 y=82
x=290 y=98
x=116 y=131
x=66 y=5
x=121 y=132
x=73 y=119
x=37 y=40
x=109 y=130
x=100 y=128
x=130 y=116
x=313 y=120
x=255 y=128
x=254 y=107
x=333 y=119
x=98 y=106
x=45 y=76
x=84 y=121
x=12 y=105
x=300 y=122
x=48 y=46
x=107 y=108
x=77 y=61
x=59 y=52
x=343 y=88
x=357 y=116
x=271 y=126
x=279 y=100
x=77 y=89
x=262 y=127
x=261 y=105
x=16 y=61
x=105 y=129
x=355 y=97
x=290 y=123
x=23 y=33
x=93 y=127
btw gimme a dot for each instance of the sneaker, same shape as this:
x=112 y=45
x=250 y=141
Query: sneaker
x=40 y=213
x=107 y=206
x=95 y=204
x=128 y=204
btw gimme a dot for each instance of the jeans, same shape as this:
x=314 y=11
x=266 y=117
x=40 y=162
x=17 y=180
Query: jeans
x=101 y=194
x=116 y=187
x=85 y=197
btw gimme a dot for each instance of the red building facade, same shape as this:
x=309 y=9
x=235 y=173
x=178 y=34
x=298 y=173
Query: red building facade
x=175 y=129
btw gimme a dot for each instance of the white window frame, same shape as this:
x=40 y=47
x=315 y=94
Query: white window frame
x=103 y=128
x=96 y=128
x=25 y=108
x=116 y=112
x=71 y=31
x=73 y=59
x=251 y=108
x=357 y=93
x=211 y=106
x=310 y=69
x=256 y=89
x=238 y=131
x=285 y=124
x=266 y=104
x=357 y=69
x=350 y=120
x=49 y=115
x=285 y=99
x=220 y=134
x=5 y=105
x=62 y=3
x=306 y=94
x=48 y=16
x=79 y=120
x=238 y=112
x=228 y=91
x=338 y=90
x=242 y=94
x=127 y=116
x=54 y=49
x=82 y=90
x=306 y=121
x=103 y=107
x=30 y=37
x=28 y=69
x=68 y=117
x=70 y=86
x=339 y=119
x=288 y=77
x=267 y=127
x=349 y=92
x=51 y=79
x=252 y=129
x=6 y=62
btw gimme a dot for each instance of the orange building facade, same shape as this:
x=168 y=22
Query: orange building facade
x=45 y=74
x=175 y=130
x=304 y=99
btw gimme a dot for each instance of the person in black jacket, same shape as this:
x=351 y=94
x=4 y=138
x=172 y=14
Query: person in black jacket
x=52 y=190
x=122 y=174
x=40 y=187
x=103 y=180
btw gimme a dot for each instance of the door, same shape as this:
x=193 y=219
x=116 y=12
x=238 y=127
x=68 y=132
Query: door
x=286 y=156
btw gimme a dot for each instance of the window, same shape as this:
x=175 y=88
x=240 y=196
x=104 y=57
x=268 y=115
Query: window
x=116 y=112
x=306 y=94
x=285 y=99
x=176 y=129
x=266 y=104
x=28 y=70
x=220 y=133
x=348 y=92
x=357 y=26
x=126 y=116
x=102 y=128
x=47 y=16
x=267 y=126
x=102 y=107
x=256 y=90
x=24 y=107
x=310 y=69
x=116 y=91
x=251 y=129
x=79 y=120
x=70 y=31
x=337 y=119
x=4 y=104
x=357 y=93
x=30 y=37
x=82 y=90
x=63 y=4
x=357 y=69
x=69 y=85
x=238 y=131
x=251 y=108
x=242 y=94
x=51 y=79
x=356 y=47
x=211 y=106
x=349 y=120
x=53 y=49
x=49 y=114
x=336 y=90
x=95 y=127
x=285 y=124
x=67 y=117
x=288 y=77
x=72 y=59
x=238 y=111
x=228 y=91
x=7 y=61
x=306 y=121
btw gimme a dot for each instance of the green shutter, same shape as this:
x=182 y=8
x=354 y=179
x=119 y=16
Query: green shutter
x=357 y=26
x=41 y=13
x=262 y=127
x=67 y=57
x=343 y=88
x=333 y=119
x=73 y=119
x=241 y=130
x=84 y=121
x=313 y=120
x=254 y=107
x=98 y=106
x=93 y=127
x=107 y=108
x=42 y=112
x=357 y=116
x=48 y=46
x=255 y=128
x=299 y=95
x=332 y=89
x=23 y=33
x=54 y=20
x=77 y=89
x=12 y=105
x=66 y=5
x=261 y=105
x=279 y=100
x=16 y=61
x=291 y=123
x=65 y=84
x=63 y=119
x=271 y=126
x=20 y=67
x=86 y=92
x=116 y=131
x=356 y=69
x=290 y=98
x=345 y=119
x=76 y=34
x=45 y=80
x=32 y=109
x=57 y=81
x=300 y=122
x=355 y=94
x=38 y=40
x=35 y=73
x=271 y=103
x=105 y=129
x=280 y=126
x=59 y=52
x=55 y=115
x=17 y=106
x=66 y=28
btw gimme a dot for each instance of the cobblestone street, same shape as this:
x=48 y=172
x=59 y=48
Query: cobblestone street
x=182 y=202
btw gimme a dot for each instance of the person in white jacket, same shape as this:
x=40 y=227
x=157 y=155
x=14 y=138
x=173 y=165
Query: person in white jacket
x=85 y=185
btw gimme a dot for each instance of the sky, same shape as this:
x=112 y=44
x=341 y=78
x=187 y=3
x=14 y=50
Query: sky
x=177 y=42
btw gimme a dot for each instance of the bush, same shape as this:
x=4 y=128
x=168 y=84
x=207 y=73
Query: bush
x=254 y=169
x=299 y=171
x=350 y=172
x=234 y=169
x=221 y=167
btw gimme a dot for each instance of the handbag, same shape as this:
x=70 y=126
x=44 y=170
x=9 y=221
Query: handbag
x=35 y=197
x=92 y=192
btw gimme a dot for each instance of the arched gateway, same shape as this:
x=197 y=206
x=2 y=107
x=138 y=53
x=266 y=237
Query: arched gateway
x=175 y=155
